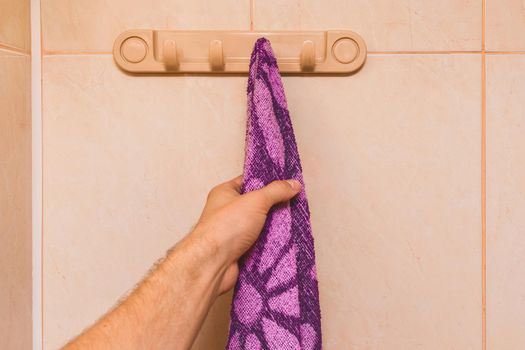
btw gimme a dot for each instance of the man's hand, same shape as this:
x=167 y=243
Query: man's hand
x=233 y=222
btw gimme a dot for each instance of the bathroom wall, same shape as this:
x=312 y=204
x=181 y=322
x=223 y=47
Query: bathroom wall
x=15 y=176
x=413 y=166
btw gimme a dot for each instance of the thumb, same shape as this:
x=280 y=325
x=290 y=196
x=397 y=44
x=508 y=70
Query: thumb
x=276 y=192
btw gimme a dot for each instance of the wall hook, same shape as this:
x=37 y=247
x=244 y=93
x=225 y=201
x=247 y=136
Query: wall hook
x=169 y=55
x=216 y=55
x=308 y=56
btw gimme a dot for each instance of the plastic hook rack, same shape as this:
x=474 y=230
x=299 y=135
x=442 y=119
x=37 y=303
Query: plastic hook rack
x=146 y=51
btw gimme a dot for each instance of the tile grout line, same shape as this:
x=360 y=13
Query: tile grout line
x=504 y=52
x=94 y=53
x=422 y=52
x=484 y=200
x=483 y=177
x=41 y=53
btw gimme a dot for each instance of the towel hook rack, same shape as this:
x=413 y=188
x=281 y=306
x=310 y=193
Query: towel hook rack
x=206 y=51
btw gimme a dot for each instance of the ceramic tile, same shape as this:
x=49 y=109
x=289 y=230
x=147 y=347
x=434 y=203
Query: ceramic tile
x=505 y=25
x=505 y=202
x=14 y=24
x=15 y=202
x=385 y=25
x=128 y=163
x=94 y=25
x=393 y=177
x=392 y=166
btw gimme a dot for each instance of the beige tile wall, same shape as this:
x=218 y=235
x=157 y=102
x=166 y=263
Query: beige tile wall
x=505 y=25
x=506 y=201
x=393 y=159
x=15 y=32
x=15 y=177
x=386 y=25
x=92 y=26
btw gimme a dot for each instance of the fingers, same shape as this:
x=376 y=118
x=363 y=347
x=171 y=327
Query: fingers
x=276 y=192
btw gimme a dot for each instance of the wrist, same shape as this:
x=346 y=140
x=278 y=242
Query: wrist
x=199 y=259
x=213 y=246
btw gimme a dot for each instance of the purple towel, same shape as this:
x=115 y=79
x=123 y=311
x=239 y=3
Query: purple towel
x=276 y=301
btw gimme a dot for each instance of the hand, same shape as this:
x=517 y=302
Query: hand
x=232 y=222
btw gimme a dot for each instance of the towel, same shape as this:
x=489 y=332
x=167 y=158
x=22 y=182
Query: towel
x=276 y=300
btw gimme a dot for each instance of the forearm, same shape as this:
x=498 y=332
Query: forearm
x=168 y=307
